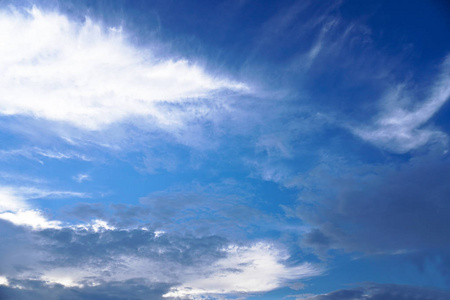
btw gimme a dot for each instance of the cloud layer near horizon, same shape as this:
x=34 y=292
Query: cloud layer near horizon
x=97 y=255
x=371 y=291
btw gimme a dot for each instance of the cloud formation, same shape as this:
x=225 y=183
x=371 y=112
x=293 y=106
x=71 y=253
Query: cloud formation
x=373 y=291
x=401 y=126
x=82 y=258
x=16 y=208
x=402 y=209
x=88 y=76
x=211 y=189
x=88 y=256
x=248 y=269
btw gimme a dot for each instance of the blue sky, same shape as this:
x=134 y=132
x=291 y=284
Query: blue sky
x=224 y=150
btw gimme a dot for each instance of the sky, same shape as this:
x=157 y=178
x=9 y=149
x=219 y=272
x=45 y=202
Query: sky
x=229 y=149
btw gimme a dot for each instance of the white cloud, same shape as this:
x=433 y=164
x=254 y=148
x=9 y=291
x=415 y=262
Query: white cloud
x=81 y=177
x=255 y=268
x=61 y=277
x=96 y=225
x=401 y=126
x=4 y=281
x=32 y=218
x=36 y=153
x=35 y=193
x=61 y=155
x=88 y=76
x=10 y=200
x=15 y=206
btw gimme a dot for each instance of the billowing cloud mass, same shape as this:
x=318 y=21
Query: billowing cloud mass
x=192 y=267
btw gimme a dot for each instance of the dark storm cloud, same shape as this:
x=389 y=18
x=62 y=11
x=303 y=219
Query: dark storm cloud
x=385 y=292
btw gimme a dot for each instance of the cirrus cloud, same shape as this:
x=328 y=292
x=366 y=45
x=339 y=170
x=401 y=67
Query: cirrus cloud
x=89 y=76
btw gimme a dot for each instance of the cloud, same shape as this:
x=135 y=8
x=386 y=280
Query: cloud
x=81 y=177
x=88 y=76
x=4 y=281
x=82 y=258
x=401 y=126
x=33 y=218
x=228 y=208
x=38 y=154
x=9 y=200
x=15 y=206
x=378 y=209
x=248 y=269
x=38 y=289
x=373 y=291
x=95 y=254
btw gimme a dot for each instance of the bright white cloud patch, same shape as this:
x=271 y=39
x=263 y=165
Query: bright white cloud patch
x=95 y=225
x=10 y=201
x=4 y=281
x=32 y=218
x=15 y=206
x=256 y=268
x=56 y=69
x=400 y=128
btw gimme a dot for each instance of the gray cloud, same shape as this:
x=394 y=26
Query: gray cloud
x=80 y=258
x=130 y=289
x=226 y=208
x=384 y=292
x=379 y=209
x=102 y=263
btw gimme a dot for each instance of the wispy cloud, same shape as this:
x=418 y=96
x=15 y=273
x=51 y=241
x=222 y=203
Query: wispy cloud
x=38 y=154
x=402 y=124
x=81 y=177
x=88 y=76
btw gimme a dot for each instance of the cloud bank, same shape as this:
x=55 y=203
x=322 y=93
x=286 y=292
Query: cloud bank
x=373 y=291
x=85 y=257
